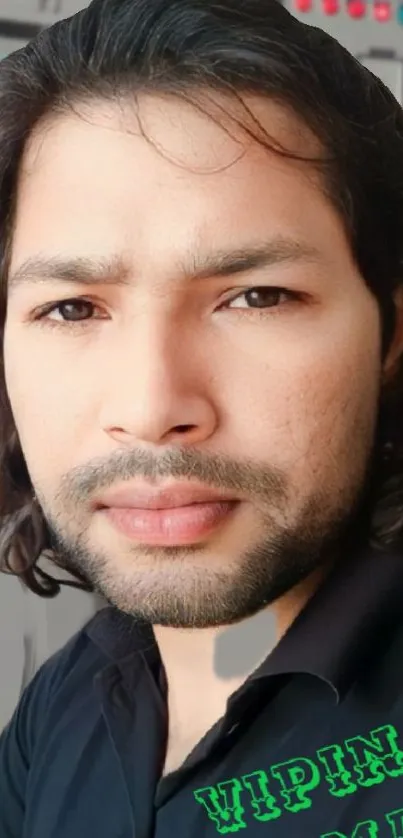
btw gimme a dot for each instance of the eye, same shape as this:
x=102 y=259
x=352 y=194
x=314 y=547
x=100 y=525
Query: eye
x=261 y=297
x=75 y=310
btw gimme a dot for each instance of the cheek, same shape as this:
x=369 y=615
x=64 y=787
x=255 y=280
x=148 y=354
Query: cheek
x=316 y=407
x=47 y=410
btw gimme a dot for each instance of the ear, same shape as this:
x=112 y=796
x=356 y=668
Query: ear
x=395 y=352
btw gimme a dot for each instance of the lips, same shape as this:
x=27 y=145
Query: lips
x=175 y=515
x=144 y=496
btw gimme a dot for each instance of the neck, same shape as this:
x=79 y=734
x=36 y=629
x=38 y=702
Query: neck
x=204 y=667
x=213 y=662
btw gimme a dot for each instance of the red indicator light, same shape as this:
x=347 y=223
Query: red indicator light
x=330 y=7
x=356 y=8
x=303 y=5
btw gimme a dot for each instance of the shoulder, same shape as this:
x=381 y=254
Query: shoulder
x=70 y=668
x=80 y=658
x=63 y=686
x=57 y=689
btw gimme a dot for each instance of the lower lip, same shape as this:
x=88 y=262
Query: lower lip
x=170 y=527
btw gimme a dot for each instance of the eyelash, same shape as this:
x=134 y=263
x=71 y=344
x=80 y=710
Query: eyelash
x=43 y=318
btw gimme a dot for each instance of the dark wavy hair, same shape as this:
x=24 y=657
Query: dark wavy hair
x=185 y=48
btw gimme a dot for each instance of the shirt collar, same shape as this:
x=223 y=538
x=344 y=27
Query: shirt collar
x=118 y=635
x=342 y=624
x=331 y=638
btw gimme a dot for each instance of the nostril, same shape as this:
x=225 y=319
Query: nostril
x=184 y=429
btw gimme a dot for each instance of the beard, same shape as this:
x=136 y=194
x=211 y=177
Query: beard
x=191 y=587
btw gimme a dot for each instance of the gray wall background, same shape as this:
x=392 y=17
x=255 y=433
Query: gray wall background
x=31 y=629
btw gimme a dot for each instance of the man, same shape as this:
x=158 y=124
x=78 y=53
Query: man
x=202 y=214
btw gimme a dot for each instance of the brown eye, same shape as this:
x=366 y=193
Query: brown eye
x=262 y=297
x=67 y=312
x=73 y=310
x=71 y=314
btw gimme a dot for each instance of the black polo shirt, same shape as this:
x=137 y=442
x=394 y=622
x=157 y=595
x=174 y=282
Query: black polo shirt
x=311 y=745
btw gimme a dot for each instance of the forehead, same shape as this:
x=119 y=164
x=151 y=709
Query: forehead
x=160 y=171
x=207 y=132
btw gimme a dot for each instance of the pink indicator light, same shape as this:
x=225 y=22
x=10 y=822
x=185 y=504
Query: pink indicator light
x=356 y=8
x=382 y=11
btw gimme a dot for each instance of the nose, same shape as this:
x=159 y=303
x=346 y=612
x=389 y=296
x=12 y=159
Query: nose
x=157 y=391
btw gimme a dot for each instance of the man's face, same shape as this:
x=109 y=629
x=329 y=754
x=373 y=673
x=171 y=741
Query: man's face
x=259 y=382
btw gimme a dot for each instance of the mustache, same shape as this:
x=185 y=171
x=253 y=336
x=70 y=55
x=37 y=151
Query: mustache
x=216 y=471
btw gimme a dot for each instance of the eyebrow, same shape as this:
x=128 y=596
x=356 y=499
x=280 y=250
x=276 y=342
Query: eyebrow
x=115 y=271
